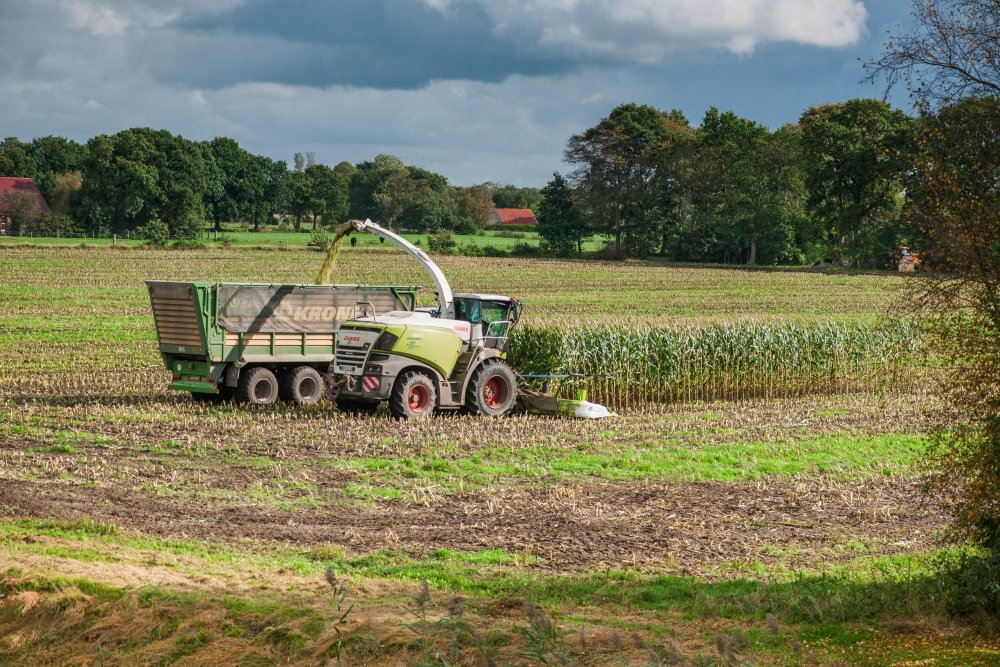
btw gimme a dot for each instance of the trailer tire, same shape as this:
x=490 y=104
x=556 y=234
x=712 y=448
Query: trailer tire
x=414 y=396
x=356 y=407
x=257 y=386
x=492 y=390
x=302 y=385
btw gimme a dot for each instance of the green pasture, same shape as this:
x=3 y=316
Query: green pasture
x=272 y=238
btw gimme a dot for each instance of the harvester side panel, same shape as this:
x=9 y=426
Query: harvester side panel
x=303 y=308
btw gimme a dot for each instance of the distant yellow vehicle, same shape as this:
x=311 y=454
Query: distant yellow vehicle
x=908 y=261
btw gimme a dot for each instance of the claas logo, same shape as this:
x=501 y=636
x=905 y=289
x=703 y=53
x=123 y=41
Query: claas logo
x=352 y=339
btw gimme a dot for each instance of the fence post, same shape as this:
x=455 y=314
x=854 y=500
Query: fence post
x=114 y=240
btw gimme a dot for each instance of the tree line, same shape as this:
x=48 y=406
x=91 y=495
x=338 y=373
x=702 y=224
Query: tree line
x=140 y=177
x=828 y=188
x=831 y=187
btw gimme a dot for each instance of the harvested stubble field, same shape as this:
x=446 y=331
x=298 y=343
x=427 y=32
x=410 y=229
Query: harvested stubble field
x=139 y=527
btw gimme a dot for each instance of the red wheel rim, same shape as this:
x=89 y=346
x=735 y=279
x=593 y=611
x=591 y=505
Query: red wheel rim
x=418 y=397
x=495 y=392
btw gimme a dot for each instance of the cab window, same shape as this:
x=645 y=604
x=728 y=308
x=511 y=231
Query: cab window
x=468 y=310
x=493 y=312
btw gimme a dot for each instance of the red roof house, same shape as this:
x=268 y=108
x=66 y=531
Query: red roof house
x=12 y=185
x=514 y=216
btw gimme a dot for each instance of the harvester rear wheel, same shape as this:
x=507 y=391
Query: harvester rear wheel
x=492 y=390
x=257 y=386
x=414 y=396
x=302 y=385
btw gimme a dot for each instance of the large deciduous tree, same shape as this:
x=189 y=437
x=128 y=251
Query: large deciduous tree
x=64 y=192
x=24 y=210
x=139 y=175
x=951 y=61
x=275 y=193
x=560 y=225
x=241 y=182
x=954 y=192
x=300 y=195
x=615 y=163
x=730 y=183
x=855 y=154
x=366 y=181
x=475 y=204
x=330 y=196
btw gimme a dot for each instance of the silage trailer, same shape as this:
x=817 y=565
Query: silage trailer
x=257 y=342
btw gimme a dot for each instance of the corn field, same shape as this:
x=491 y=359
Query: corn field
x=629 y=365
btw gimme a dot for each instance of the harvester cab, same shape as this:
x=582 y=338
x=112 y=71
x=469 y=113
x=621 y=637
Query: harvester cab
x=490 y=317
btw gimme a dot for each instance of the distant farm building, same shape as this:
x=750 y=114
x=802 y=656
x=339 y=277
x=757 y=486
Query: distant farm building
x=10 y=186
x=514 y=216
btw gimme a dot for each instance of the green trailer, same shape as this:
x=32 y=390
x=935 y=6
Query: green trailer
x=256 y=342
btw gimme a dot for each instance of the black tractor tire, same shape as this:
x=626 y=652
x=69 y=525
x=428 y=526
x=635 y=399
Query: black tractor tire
x=356 y=407
x=257 y=386
x=414 y=396
x=492 y=391
x=302 y=385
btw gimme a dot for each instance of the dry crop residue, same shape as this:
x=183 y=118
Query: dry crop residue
x=686 y=527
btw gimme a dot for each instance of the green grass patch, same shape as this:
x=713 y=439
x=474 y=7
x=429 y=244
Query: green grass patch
x=842 y=456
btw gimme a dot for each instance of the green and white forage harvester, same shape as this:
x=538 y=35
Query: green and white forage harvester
x=452 y=357
x=445 y=358
x=418 y=360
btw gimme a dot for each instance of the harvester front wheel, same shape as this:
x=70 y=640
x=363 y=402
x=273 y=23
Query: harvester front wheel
x=414 y=396
x=302 y=385
x=492 y=390
x=257 y=386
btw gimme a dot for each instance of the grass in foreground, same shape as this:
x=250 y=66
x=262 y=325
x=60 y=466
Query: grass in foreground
x=285 y=606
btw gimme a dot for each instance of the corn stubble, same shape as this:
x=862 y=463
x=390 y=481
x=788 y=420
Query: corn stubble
x=78 y=323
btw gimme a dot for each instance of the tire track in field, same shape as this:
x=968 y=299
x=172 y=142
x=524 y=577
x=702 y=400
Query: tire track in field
x=680 y=527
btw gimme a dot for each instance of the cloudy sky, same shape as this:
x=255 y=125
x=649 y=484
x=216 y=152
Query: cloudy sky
x=474 y=89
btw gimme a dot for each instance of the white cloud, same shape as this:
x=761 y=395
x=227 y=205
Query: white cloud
x=95 y=18
x=649 y=30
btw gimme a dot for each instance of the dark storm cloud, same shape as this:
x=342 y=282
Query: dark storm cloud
x=374 y=43
x=509 y=80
